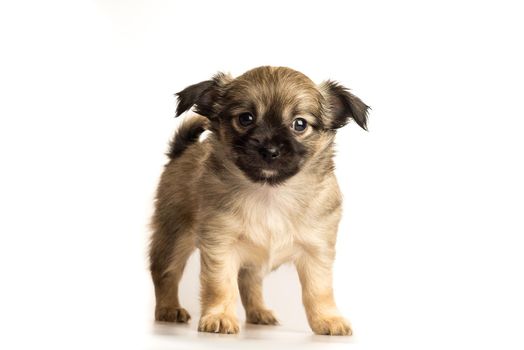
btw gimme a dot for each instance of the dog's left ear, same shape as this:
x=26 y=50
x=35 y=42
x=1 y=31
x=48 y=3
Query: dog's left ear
x=343 y=105
x=202 y=95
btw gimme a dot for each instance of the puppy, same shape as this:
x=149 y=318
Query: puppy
x=258 y=192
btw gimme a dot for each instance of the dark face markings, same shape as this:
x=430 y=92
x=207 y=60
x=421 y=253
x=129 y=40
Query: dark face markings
x=266 y=150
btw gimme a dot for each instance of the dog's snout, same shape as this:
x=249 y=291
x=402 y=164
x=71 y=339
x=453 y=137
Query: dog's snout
x=255 y=141
x=269 y=153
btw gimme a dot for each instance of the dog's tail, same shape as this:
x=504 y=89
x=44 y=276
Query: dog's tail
x=188 y=133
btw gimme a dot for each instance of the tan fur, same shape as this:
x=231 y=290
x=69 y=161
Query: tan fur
x=245 y=229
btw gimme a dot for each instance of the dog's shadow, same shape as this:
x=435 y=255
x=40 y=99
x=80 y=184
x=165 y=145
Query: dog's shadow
x=250 y=336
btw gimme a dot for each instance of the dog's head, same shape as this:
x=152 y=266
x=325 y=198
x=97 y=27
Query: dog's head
x=271 y=120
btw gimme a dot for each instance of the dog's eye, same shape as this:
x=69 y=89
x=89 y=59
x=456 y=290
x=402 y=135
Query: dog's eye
x=246 y=119
x=299 y=124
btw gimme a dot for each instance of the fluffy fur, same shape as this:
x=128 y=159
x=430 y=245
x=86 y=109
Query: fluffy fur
x=246 y=213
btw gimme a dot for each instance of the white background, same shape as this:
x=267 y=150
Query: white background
x=430 y=249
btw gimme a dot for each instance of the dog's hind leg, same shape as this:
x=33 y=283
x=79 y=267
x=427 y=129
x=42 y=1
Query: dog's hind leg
x=169 y=253
x=250 y=287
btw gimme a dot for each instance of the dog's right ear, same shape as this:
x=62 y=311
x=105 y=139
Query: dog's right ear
x=343 y=106
x=202 y=95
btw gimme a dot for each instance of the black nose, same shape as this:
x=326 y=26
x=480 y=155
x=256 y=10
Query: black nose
x=269 y=153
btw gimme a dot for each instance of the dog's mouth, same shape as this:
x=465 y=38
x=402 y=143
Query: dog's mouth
x=261 y=168
x=267 y=173
x=270 y=174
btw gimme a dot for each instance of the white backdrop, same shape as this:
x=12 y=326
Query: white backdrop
x=430 y=246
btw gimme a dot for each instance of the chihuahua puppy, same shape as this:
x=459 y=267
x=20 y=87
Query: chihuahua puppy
x=258 y=192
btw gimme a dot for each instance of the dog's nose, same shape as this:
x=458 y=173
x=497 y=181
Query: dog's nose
x=269 y=153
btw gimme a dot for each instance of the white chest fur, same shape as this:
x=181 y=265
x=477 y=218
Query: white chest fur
x=268 y=218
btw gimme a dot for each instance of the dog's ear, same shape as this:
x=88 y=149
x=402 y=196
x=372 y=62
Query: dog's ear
x=202 y=95
x=343 y=105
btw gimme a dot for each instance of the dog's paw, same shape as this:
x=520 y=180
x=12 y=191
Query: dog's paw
x=218 y=323
x=331 y=326
x=261 y=316
x=171 y=314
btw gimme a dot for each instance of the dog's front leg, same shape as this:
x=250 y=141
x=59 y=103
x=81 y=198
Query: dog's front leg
x=315 y=272
x=219 y=289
